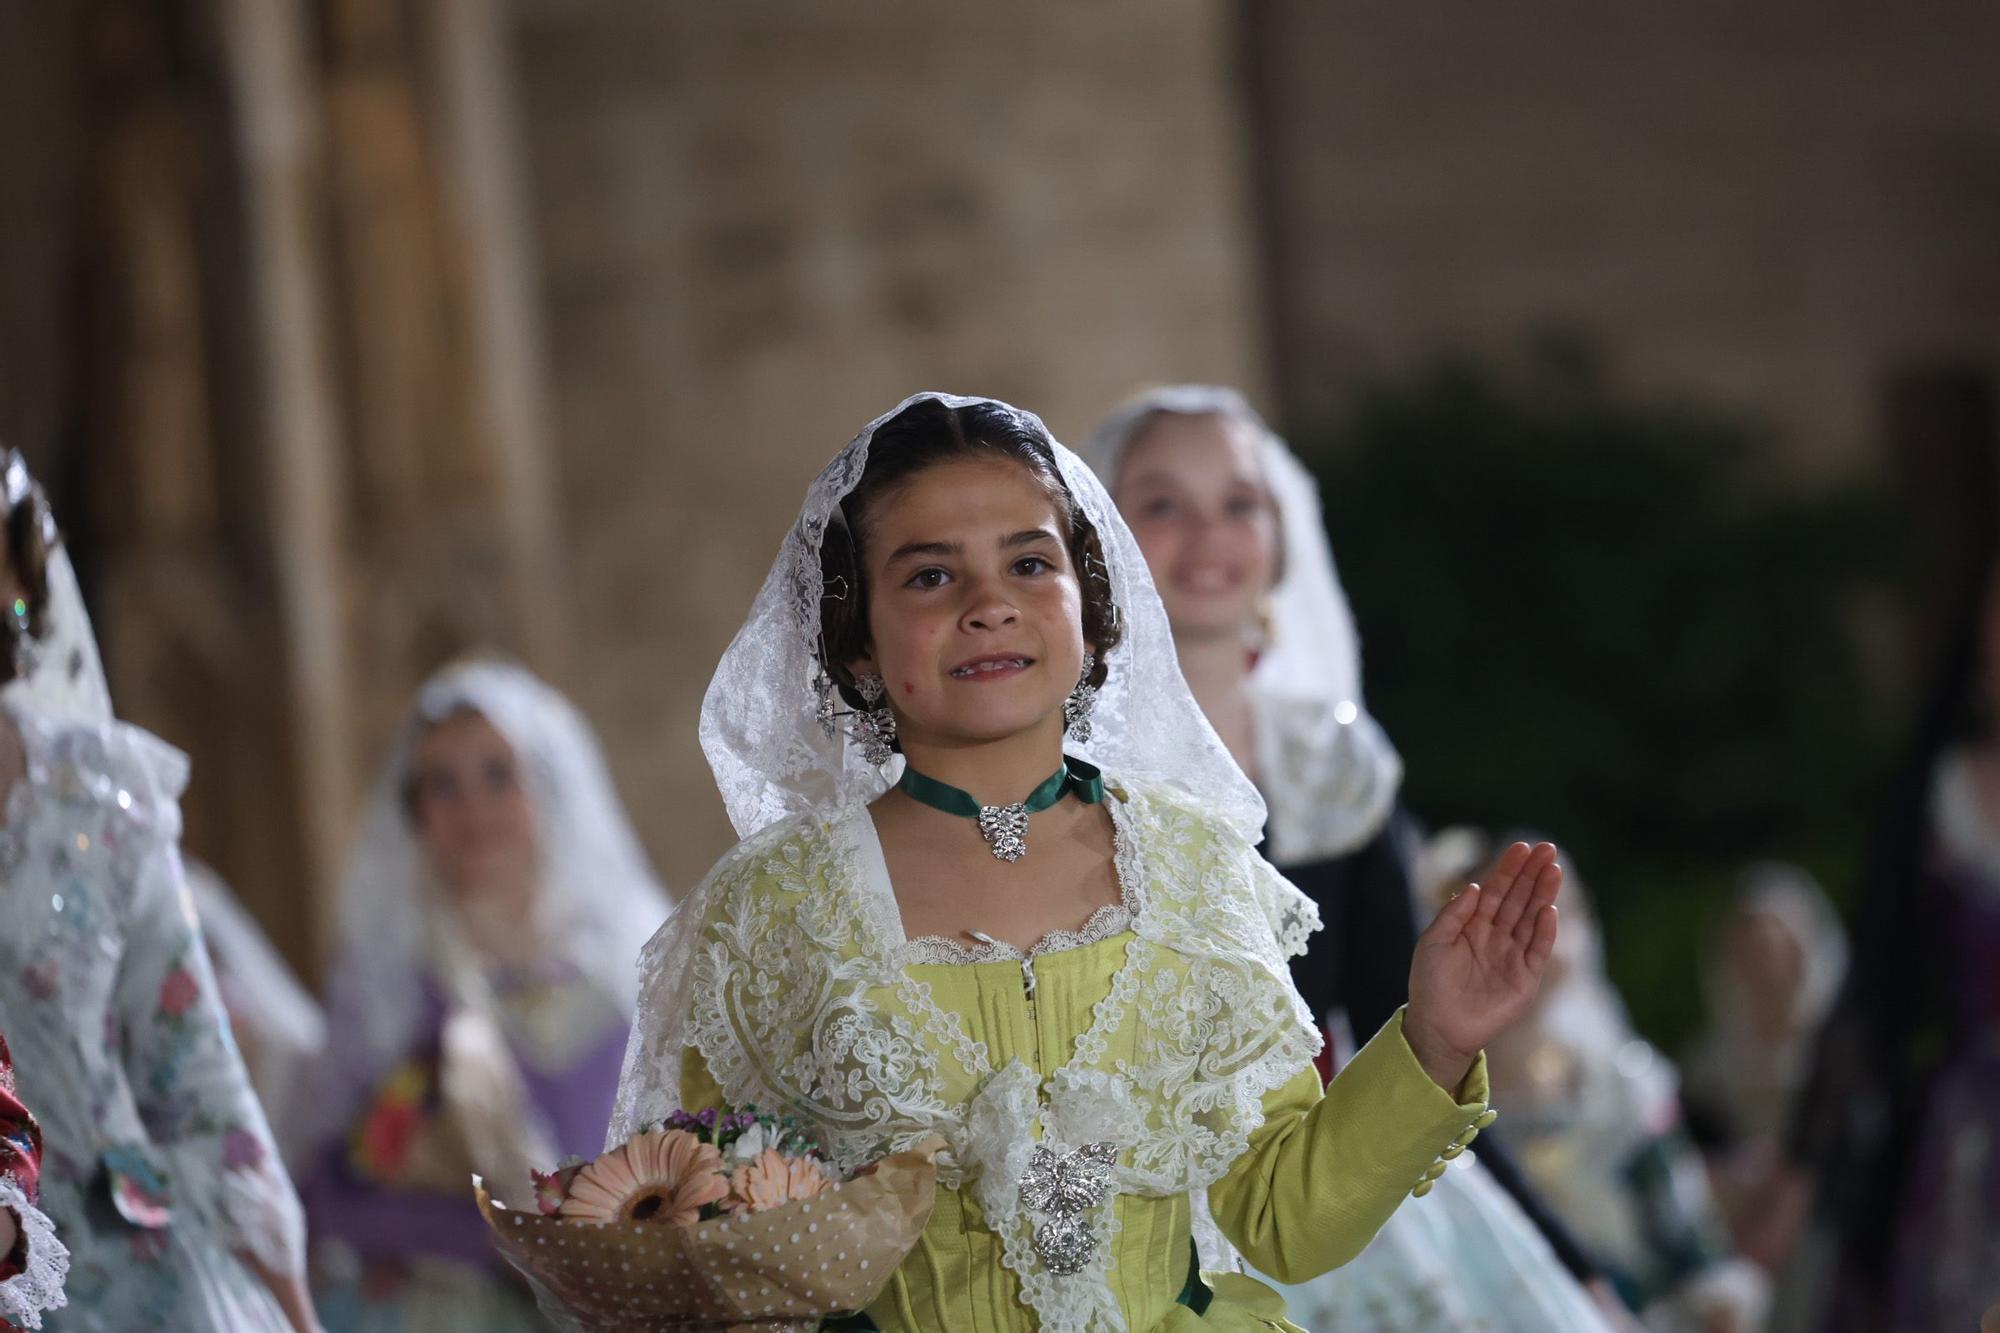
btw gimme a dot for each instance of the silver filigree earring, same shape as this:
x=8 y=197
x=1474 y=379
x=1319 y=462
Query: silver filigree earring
x=27 y=650
x=874 y=725
x=1081 y=702
x=824 y=696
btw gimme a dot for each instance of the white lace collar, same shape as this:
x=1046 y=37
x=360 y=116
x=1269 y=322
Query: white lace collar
x=1105 y=923
x=786 y=969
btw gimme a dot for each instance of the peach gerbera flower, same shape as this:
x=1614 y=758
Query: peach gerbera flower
x=774 y=1179
x=665 y=1176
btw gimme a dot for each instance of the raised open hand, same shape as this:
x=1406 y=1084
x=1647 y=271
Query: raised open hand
x=1479 y=965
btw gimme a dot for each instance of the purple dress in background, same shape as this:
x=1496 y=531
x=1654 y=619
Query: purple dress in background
x=1948 y=1259
x=399 y=1243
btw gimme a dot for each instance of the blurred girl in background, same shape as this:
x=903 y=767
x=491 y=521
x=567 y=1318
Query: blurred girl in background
x=1770 y=976
x=1230 y=525
x=490 y=916
x=159 y=1170
x=1594 y=1111
x=1900 y=1122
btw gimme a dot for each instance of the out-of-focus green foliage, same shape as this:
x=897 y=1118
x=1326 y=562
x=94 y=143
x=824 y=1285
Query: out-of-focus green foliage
x=1585 y=616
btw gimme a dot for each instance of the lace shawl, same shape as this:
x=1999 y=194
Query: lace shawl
x=785 y=971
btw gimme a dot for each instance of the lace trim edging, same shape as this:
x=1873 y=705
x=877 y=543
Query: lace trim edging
x=39 y=1286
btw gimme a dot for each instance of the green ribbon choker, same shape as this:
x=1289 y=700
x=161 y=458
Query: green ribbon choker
x=1005 y=827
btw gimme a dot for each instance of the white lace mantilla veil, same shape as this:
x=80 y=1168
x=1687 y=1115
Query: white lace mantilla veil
x=599 y=896
x=1795 y=898
x=1329 y=773
x=67 y=682
x=773 y=761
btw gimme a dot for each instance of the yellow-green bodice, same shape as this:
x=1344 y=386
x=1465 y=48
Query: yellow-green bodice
x=1315 y=1179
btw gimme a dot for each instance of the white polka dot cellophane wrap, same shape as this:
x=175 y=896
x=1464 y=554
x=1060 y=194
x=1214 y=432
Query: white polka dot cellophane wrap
x=777 y=1271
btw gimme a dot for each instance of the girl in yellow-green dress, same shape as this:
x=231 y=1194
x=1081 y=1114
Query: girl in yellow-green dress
x=998 y=883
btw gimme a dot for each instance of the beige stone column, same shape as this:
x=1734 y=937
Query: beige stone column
x=482 y=168
x=298 y=428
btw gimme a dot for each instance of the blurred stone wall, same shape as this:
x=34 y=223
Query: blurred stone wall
x=764 y=223
x=1774 y=207
x=354 y=334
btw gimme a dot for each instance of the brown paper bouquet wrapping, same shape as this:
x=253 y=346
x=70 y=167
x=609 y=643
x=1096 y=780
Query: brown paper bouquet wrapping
x=777 y=1271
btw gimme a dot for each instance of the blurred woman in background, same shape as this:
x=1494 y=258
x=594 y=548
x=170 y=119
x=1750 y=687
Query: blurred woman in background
x=1898 y=1124
x=1770 y=976
x=1594 y=1111
x=159 y=1170
x=490 y=917
x=1230 y=525
x=1947 y=1260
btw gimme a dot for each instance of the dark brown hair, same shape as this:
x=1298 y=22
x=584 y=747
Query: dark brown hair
x=922 y=436
x=412 y=780
x=29 y=536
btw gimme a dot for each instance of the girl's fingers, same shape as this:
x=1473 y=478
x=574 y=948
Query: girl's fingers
x=1543 y=941
x=1548 y=884
x=1451 y=922
x=1493 y=891
x=1514 y=905
x=1500 y=876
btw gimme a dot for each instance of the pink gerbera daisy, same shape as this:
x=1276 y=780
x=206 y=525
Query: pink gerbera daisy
x=667 y=1176
x=774 y=1179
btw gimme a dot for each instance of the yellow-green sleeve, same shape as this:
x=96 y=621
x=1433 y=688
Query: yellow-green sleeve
x=1325 y=1171
x=699 y=1090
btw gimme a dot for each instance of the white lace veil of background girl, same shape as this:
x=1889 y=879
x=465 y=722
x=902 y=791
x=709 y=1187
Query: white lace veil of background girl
x=1794 y=897
x=598 y=892
x=772 y=760
x=1329 y=773
x=1738 y=1066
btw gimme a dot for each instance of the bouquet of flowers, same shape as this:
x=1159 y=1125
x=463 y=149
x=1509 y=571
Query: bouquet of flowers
x=727 y=1220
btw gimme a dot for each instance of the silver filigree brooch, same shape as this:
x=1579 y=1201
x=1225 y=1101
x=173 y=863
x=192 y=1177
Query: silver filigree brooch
x=1063 y=1187
x=1005 y=828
